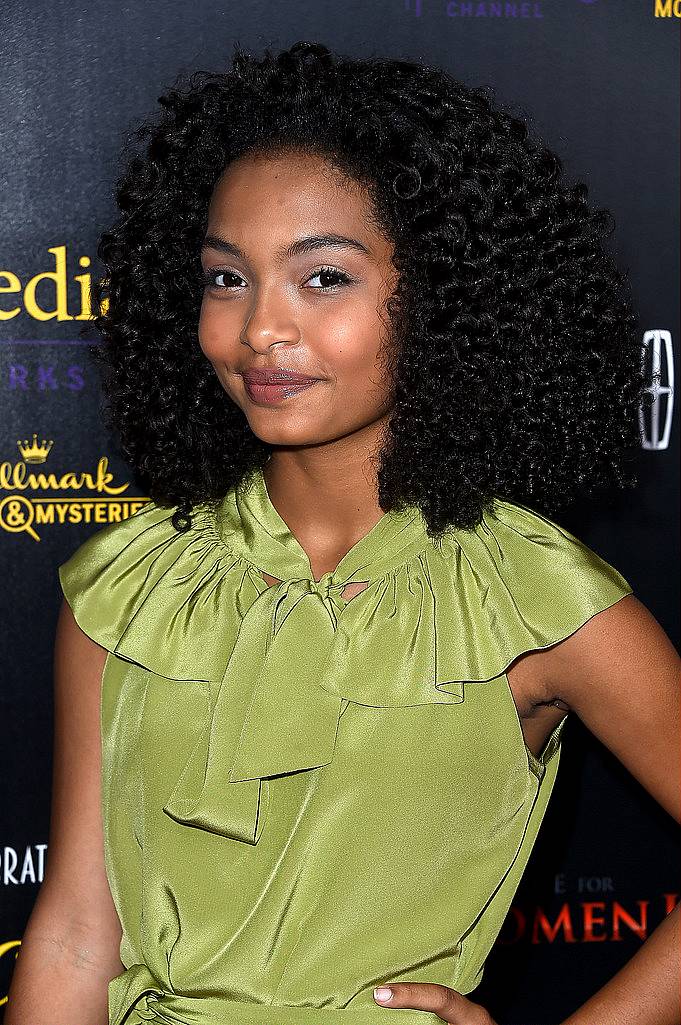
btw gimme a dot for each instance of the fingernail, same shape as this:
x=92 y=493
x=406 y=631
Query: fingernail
x=383 y=993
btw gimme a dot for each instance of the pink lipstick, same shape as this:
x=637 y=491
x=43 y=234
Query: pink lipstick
x=267 y=386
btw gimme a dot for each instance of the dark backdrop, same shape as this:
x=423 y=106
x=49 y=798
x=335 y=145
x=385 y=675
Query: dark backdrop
x=599 y=80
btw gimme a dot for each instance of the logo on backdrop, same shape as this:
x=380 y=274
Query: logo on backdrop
x=18 y=868
x=525 y=9
x=29 y=504
x=606 y=920
x=658 y=362
x=45 y=296
x=8 y=951
x=668 y=8
x=56 y=294
x=489 y=8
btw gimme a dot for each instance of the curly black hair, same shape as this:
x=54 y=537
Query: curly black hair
x=517 y=361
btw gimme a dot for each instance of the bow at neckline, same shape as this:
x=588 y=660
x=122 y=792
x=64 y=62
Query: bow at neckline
x=299 y=649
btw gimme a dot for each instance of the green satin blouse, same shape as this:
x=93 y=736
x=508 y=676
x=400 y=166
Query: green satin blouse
x=305 y=796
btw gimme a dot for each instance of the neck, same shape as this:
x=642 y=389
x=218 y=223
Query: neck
x=327 y=495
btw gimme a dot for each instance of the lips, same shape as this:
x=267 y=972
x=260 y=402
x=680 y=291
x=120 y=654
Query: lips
x=267 y=387
x=275 y=375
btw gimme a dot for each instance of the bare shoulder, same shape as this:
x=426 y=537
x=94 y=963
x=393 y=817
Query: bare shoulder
x=610 y=649
x=621 y=674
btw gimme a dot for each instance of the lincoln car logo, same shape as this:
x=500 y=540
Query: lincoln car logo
x=656 y=418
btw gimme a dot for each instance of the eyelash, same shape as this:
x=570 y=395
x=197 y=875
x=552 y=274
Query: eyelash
x=208 y=278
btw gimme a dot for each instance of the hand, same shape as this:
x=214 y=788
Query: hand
x=451 y=1006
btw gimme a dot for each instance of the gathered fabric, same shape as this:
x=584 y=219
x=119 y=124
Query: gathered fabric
x=303 y=748
x=137 y=998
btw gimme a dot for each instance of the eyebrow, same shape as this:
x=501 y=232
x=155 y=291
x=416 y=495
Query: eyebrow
x=307 y=244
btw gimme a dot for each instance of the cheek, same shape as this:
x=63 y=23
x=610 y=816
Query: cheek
x=214 y=331
x=353 y=345
x=355 y=356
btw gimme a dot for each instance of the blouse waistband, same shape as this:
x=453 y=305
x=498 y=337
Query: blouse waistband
x=137 y=996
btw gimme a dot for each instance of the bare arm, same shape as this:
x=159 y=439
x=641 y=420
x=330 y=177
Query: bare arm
x=620 y=673
x=70 y=948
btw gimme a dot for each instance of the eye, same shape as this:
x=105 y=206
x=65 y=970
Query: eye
x=330 y=272
x=223 y=280
x=211 y=278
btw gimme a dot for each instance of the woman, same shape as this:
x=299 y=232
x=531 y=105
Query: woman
x=336 y=651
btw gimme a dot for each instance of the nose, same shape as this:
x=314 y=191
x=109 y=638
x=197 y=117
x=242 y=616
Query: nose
x=269 y=321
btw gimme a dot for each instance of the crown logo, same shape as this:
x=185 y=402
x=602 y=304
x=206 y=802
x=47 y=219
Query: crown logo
x=32 y=452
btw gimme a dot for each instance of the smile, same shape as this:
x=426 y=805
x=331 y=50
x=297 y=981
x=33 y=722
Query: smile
x=270 y=394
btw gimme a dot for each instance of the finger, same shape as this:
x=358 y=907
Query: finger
x=453 y=1007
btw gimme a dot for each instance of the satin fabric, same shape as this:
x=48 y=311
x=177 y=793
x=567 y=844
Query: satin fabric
x=306 y=796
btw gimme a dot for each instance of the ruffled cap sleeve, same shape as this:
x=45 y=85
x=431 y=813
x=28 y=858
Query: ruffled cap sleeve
x=156 y=597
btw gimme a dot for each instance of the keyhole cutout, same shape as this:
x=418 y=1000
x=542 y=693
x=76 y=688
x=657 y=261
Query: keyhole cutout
x=350 y=590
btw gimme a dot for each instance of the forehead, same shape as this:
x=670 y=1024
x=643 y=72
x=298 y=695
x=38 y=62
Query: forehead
x=296 y=190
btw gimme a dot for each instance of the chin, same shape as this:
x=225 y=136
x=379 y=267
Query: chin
x=281 y=435
x=293 y=440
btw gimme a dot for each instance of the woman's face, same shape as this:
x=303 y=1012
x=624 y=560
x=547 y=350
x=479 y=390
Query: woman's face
x=316 y=311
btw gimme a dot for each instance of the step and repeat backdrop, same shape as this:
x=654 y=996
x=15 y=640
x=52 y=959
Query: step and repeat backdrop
x=598 y=79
